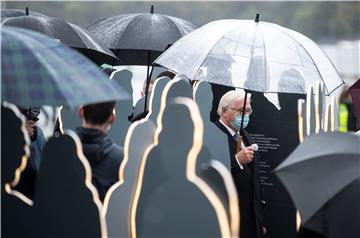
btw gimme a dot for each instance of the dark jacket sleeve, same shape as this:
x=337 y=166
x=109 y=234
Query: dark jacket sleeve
x=258 y=203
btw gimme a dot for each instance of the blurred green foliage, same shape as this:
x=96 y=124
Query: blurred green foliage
x=321 y=21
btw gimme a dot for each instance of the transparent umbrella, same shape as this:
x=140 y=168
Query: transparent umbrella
x=261 y=56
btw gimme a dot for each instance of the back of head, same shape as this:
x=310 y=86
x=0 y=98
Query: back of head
x=228 y=99
x=97 y=114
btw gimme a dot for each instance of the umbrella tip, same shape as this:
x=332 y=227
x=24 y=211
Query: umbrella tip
x=152 y=9
x=257 y=17
x=27 y=11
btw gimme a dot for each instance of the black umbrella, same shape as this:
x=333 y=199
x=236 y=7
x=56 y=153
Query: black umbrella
x=333 y=219
x=6 y=13
x=133 y=36
x=94 y=49
x=319 y=169
x=68 y=34
x=138 y=39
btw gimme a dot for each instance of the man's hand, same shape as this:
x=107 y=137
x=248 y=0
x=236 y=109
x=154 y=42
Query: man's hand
x=29 y=125
x=245 y=155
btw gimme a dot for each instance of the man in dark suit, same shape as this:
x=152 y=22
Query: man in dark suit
x=244 y=161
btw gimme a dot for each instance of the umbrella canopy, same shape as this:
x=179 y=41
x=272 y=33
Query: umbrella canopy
x=68 y=34
x=37 y=70
x=354 y=91
x=319 y=168
x=333 y=219
x=94 y=49
x=6 y=13
x=253 y=55
x=133 y=36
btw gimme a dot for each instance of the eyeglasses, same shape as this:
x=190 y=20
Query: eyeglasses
x=248 y=111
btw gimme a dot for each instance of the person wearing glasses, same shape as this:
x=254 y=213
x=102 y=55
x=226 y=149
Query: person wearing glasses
x=244 y=161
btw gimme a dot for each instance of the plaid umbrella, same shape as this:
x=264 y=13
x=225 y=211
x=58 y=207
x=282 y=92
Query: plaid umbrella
x=37 y=70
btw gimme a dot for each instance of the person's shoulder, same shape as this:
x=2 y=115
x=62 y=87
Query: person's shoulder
x=117 y=153
x=218 y=123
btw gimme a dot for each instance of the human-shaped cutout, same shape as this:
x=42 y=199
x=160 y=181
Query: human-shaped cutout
x=66 y=204
x=171 y=200
x=321 y=101
x=314 y=115
x=214 y=139
x=178 y=87
x=69 y=119
x=118 y=200
x=123 y=77
x=123 y=108
x=310 y=111
x=140 y=135
x=16 y=208
x=155 y=98
x=216 y=148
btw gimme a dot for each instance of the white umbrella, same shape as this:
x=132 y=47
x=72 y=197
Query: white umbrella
x=253 y=55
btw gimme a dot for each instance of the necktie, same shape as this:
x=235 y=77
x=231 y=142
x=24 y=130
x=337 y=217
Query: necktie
x=238 y=140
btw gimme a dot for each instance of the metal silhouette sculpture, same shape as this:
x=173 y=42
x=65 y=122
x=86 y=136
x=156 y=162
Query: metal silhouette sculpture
x=123 y=108
x=66 y=203
x=170 y=199
x=117 y=203
x=213 y=164
x=16 y=208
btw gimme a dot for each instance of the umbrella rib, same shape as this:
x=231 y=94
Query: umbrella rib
x=172 y=20
x=265 y=60
x=125 y=29
x=308 y=55
x=301 y=59
x=207 y=54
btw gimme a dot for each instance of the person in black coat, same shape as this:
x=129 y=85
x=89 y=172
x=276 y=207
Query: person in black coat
x=101 y=151
x=244 y=162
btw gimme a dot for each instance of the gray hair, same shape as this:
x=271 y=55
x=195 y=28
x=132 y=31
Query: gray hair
x=227 y=100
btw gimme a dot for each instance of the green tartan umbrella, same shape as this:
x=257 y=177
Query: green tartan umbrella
x=37 y=70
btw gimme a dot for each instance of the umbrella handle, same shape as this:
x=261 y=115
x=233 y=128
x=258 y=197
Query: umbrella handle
x=148 y=77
